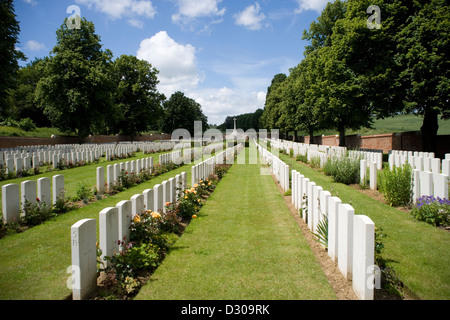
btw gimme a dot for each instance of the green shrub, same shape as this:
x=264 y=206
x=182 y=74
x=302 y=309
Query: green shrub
x=36 y=213
x=395 y=185
x=27 y=124
x=315 y=162
x=84 y=192
x=302 y=158
x=343 y=169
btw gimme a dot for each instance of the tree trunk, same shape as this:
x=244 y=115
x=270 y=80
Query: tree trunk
x=429 y=130
x=311 y=136
x=342 y=136
x=295 y=136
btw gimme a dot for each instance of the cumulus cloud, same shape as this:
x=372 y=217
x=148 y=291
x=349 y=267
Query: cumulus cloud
x=251 y=17
x=317 y=5
x=34 y=46
x=117 y=9
x=189 y=11
x=217 y=104
x=176 y=63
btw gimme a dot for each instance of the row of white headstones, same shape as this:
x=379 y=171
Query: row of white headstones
x=430 y=175
x=351 y=237
x=114 y=223
x=29 y=157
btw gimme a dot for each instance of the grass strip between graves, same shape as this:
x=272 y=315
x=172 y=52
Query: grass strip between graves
x=33 y=264
x=418 y=252
x=243 y=245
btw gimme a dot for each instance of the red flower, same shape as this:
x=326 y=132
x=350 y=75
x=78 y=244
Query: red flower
x=37 y=199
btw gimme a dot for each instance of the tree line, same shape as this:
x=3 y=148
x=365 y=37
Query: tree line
x=243 y=121
x=355 y=70
x=80 y=89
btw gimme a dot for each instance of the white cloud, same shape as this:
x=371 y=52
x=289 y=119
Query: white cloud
x=251 y=17
x=136 y=23
x=34 y=46
x=116 y=9
x=217 y=104
x=317 y=5
x=31 y=2
x=189 y=11
x=176 y=63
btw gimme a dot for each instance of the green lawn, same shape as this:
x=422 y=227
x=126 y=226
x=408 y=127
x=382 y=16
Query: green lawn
x=33 y=264
x=419 y=252
x=244 y=245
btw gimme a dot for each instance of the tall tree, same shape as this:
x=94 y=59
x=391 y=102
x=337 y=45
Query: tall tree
x=304 y=96
x=9 y=55
x=181 y=112
x=136 y=95
x=23 y=104
x=273 y=98
x=320 y=32
x=76 y=89
x=423 y=52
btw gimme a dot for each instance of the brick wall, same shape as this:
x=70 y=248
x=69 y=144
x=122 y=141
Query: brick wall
x=409 y=141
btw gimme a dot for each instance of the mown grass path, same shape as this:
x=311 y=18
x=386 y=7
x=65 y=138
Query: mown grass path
x=244 y=245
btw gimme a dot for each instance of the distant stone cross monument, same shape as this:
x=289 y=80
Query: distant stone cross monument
x=234 y=130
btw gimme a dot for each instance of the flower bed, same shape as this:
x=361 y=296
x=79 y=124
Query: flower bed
x=152 y=234
x=435 y=211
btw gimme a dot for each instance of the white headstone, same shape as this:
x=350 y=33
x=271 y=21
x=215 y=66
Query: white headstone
x=10 y=203
x=124 y=220
x=373 y=175
x=441 y=186
x=100 y=180
x=363 y=277
x=137 y=204
x=28 y=192
x=148 y=199
x=84 y=258
x=333 y=222
x=345 y=240
x=44 y=192
x=363 y=172
x=109 y=233
x=158 y=197
x=58 y=187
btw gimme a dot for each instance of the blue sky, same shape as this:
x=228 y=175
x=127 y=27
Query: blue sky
x=221 y=53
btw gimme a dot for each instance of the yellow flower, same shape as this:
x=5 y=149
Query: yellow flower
x=195 y=192
x=194 y=216
x=199 y=200
x=209 y=183
x=137 y=219
x=167 y=203
x=156 y=215
x=195 y=185
x=185 y=197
